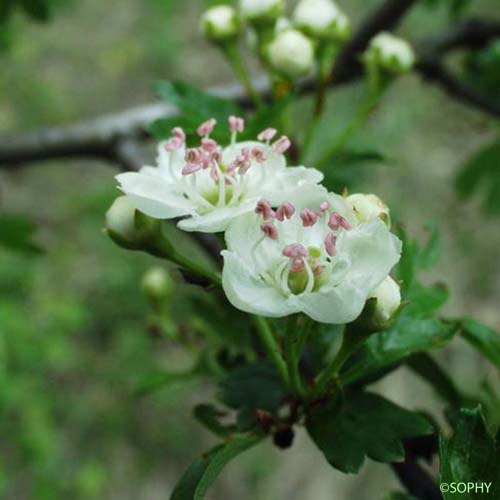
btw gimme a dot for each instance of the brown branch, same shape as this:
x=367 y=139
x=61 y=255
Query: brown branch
x=115 y=137
x=436 y=72
x=473 y=33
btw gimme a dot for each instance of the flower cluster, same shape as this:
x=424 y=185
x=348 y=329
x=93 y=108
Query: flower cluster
x=291 y=245
x=211 y=184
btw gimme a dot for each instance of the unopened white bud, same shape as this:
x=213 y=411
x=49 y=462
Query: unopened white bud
x=261 y=12
x=368 y=207
x=157 y=283
x=220 y=23
x=391 y=53
x=291 y=53
x=388 y=297
x=322 y=19
x=120 y=222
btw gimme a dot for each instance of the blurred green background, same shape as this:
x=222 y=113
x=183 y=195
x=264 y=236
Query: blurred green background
x=74 y=324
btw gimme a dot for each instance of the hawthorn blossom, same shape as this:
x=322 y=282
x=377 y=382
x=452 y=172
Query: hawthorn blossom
x=310 y=254
x=392 y=53
x=209 y=185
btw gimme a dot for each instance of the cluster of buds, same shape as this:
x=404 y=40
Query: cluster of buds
x=289 y=46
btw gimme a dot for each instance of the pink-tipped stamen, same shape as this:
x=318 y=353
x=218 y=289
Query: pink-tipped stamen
x=191 y=168
x=285 y=211
x=282 y=145
x=206 y=128
x=295 y=251
x=309 y=218
x=179 y=134
x=323 y=207
x=173 y=144
x=330 y=244
x=208 y=145
x=264 y=208
x=236 y=124
x=269 y=229
x=258 y=155
x=336 y=221
x=267 y=134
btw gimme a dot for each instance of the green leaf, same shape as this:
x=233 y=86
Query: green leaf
x=481 y=171
x=470 y=456
x=483 y=338
x=399 y=496
x=16 y=233
x=196 y=104
x=208 y=415
x=155 y=380
x=425 y=366
x=423 y=301
x=205 y=469
x=429 y=255
x=252 y=387
x=408 y=336
x=366 y=425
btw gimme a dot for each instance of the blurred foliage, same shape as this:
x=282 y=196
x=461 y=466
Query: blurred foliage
x=482 y=69
x=481 y=172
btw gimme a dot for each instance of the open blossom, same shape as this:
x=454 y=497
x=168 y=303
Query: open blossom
x=210 y=185
x=316 y=257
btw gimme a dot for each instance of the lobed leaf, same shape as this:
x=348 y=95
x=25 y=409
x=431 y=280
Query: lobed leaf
x=366 y=425
x=471 y=455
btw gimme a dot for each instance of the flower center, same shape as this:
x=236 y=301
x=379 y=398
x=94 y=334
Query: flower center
x=302 y=267
x=207 y=180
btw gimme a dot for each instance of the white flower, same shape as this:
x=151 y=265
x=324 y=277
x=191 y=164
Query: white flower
x=392 y=53
x=211 y=185
x=310 y=255
x=321 y=19
x=388 y=297
x=261 y=11
x=291 y=53
x=220 y=23
x=368 y=207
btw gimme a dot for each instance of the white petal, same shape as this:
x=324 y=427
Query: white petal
x=170 y=162
x=154 y=196
x=249 y=293
x=372 y=251
x=215 y=221
x=336 y=305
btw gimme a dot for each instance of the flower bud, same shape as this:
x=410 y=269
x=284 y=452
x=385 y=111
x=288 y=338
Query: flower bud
x=261 y=12
x=388 y=297
x=220 y=24
x=368 y=207
x=391 y=53
x=157 y=284
x=129 y=228
x=322 y=19
x=291 y=53
x=120 y=223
